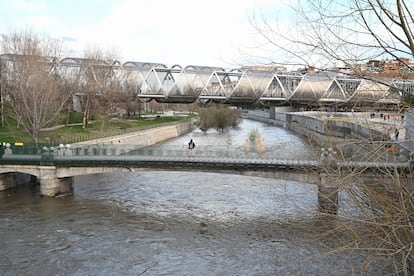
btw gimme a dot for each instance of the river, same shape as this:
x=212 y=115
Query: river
x=173 y=223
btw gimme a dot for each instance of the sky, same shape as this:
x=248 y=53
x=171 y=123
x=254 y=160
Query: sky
x=184 y=32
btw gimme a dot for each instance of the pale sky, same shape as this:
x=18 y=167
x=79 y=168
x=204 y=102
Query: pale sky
x=184 y=32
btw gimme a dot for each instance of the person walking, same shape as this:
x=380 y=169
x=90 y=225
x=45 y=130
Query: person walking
x=396 y=133
x=191 y=146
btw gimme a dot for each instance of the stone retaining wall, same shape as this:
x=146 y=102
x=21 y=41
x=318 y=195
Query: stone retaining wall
x=409 y=129
x=142 y=138
x=324 y=132
x=320 y=130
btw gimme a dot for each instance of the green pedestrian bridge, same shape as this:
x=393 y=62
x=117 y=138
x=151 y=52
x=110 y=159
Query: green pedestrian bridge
x=54 y=168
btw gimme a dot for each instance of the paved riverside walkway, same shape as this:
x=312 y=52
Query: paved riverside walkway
x=387 y=123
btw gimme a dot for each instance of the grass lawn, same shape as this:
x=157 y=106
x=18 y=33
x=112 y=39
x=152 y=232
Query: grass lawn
x=96 y=129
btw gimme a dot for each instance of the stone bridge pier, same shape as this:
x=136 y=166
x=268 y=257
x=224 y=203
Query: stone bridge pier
x=46 y=176
x=51 y=185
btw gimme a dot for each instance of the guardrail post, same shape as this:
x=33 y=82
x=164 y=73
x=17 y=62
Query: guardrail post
x=47 y=156
x=8 y=150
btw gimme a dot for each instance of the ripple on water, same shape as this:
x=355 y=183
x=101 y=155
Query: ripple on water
x=218 y=196
x=171 y=223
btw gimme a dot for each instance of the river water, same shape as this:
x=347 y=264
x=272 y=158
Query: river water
x=173 y=223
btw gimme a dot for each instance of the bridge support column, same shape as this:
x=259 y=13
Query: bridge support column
x=56 y=186
x=7 y=181
x=51 y=185
x=328 y=194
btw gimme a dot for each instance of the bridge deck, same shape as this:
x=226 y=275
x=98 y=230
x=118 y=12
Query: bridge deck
x=223 y=163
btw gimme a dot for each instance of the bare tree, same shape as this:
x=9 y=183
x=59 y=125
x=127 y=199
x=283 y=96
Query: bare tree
x=32 y=87
x=330 y=33
x=101 y=88
x=375 y=219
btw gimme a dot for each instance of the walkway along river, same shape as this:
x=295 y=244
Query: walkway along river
x=174 y=223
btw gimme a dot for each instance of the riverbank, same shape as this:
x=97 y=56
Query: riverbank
x=326 y=129
x=138 y=139
x=73 y=131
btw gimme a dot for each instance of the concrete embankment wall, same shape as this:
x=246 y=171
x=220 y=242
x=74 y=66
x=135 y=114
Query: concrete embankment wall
x=409 y=129
x=319 y=129
x=143 y=138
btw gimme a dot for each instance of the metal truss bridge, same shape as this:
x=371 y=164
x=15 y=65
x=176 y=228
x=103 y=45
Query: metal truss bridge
x=240 y=86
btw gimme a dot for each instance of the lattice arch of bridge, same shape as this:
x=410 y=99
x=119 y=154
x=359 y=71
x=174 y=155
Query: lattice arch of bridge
x=233 y=86
x=375 y=92
x=83 y=71
x=311 y=89
x=192 y=83
x=278 y=87
x=246 y=86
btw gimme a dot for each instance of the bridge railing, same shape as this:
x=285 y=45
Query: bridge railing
x=222 y=151
x=110 y=155
x=161 y=150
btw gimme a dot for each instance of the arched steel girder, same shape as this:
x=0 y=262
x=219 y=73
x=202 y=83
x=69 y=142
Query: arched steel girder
x=239 y=86
x=402 y=87
x=84 y=71
x=334 y=91
x=371 y=92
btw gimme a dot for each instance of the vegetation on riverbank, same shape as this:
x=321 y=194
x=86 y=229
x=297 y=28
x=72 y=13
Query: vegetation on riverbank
x=218 y=117
x=73 y=131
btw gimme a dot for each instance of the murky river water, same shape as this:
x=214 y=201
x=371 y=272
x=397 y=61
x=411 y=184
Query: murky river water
x=171 y=223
